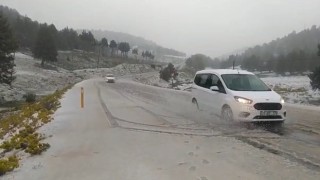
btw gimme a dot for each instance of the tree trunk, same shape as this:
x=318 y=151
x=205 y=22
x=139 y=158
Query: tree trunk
x=98 y=58
x=112 y=52
x=172 y=82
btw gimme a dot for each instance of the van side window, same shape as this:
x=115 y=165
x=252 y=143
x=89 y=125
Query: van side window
x=204 y=80
x=211 y=80
x=215 y=80
x=197 y=79
x=208 y=80
x=220 y=86
x=201 y=79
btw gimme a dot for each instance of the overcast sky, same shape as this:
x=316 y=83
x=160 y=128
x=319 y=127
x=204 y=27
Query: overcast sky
x=212 y=27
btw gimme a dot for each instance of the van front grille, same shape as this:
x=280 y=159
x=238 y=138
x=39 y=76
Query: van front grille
x=267 y=117
x=268 y=106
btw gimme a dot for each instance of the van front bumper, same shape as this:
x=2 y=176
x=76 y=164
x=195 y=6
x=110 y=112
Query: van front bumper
x=247 y=113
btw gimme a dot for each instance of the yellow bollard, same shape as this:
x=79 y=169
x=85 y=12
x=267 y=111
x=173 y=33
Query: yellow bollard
x=82 y=98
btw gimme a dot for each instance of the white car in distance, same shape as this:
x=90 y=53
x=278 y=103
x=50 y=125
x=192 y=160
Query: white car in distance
x=236 y=95
x=110 y=78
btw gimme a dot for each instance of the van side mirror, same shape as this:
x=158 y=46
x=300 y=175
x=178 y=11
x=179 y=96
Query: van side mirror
x=214 y=88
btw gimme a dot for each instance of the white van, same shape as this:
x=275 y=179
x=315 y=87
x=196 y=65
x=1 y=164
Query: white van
x=110 y=78
x=236 y=95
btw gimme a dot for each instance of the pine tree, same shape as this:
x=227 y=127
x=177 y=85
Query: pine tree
x=315 y=76
x=113 y=45
x=168 y=72
x=8 y=46
x=45 y=47
x=135 y=51
x=88 y=42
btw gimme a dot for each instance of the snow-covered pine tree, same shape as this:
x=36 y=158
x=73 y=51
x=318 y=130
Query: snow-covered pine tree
x=8 y=46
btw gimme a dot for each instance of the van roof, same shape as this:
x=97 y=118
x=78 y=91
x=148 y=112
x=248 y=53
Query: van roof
x=223 y=71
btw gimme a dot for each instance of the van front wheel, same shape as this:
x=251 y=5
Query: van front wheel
x=226 y=113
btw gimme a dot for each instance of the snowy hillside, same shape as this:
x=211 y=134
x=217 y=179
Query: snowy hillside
x=120 y=70
x=30 y=77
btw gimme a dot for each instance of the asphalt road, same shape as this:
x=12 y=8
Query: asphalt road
x=132 y=131
x=298 y=141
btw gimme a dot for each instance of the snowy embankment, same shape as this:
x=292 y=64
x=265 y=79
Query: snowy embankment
x=120 y=70
x=294 y=89
x=183 y=82
x=31 y=77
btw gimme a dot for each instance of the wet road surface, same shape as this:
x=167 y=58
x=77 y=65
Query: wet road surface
x=132 y=131
x=298 y=140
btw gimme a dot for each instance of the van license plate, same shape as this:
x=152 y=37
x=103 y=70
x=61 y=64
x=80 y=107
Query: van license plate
x=268 y=113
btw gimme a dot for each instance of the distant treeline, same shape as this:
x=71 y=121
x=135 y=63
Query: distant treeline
x=296 y=52
x=142 y=43
x=26 y=31
x=35 y=36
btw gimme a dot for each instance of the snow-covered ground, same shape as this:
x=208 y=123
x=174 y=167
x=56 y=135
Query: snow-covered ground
x=120 y=70
x=295 y=89
x=183 y=81
x=152 y=79
x=30 y=77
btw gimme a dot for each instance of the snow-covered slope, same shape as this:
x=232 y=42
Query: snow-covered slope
x=295 y=89
x=120 y=70
x=31 y=77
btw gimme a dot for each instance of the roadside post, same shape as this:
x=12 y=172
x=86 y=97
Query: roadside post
x=82 y=98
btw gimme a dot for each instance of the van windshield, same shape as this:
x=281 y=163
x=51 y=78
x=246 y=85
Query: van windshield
x=244 y=82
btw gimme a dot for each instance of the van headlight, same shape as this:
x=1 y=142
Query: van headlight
x=282 y=101
x=243 y=100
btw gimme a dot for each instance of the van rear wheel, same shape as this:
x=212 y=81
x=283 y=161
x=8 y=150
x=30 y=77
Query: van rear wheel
x=226 y=113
